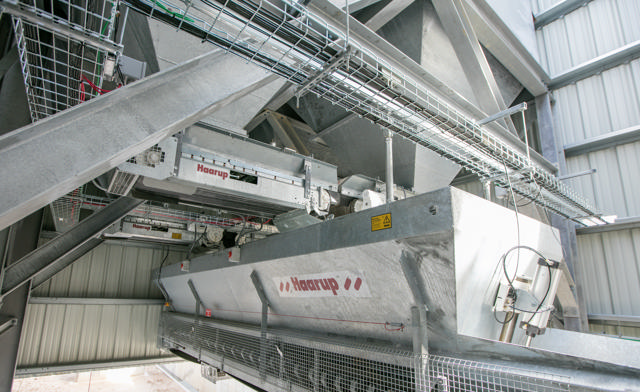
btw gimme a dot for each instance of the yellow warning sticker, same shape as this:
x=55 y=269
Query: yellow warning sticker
x=381 y=222
x=176 y=236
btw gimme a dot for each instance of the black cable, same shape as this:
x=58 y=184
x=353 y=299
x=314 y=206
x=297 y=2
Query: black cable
x=196 y=240
x=162 y=263
x=535 y=198
x=505 y=318
x=244 y=232
x=503 y=259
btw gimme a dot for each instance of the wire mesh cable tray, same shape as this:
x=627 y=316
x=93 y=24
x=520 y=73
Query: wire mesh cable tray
x=63 y=46
x=289 y=40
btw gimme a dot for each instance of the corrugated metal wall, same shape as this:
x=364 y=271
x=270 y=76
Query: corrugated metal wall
x=598 y=105
x=64 y=334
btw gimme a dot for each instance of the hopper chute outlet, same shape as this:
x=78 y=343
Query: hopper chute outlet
x=365 y=279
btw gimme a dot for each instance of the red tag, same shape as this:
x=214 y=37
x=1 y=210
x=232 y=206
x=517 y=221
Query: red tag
x=207 y=313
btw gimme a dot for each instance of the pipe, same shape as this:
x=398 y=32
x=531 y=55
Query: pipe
x=506 y=335
x=388 y=138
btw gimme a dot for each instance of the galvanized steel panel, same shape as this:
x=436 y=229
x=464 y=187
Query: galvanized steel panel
x=110 y=270
x=590 y=31
x=557 y=48
x=594 y=274
x=612 y=286
x=629 y=11
x=542 y=53
x=599 y=104
x=604 y=22
x=615 y=186
x=568 y=115
x=621 y=93
x=539 y=6
x=68 y=334
x=71 y=334
x=579 y=33
x=629 y=164
x=593 y=106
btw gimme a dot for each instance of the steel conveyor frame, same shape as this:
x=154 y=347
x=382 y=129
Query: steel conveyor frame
x=306 y=363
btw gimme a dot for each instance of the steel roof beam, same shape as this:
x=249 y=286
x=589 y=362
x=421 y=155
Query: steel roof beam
x=385 y=15
x=498 y=38
x=595 y=66
x=616 y=318
x=457 y=25
x=45 y=160
x=358 y=5
x=611 y=139
x=54 y=251
x=557 y=11
x=95 y=301
x=630 y=223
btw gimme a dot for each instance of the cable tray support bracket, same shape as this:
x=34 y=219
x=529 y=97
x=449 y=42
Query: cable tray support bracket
x=327 y=70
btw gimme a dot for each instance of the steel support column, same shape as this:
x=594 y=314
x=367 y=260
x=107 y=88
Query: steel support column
x=51 y=254
x=48 y=159
x=21 y=239
x=567 y=228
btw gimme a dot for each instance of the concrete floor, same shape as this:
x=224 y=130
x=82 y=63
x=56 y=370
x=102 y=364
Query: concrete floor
x=136 y=379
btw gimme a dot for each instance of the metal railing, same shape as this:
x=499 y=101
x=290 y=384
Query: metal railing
x=290 y=361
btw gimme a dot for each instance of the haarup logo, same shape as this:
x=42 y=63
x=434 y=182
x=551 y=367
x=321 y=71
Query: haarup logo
x=330 y=284
x=203 y=169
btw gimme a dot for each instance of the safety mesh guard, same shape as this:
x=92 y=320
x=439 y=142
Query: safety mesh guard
x=289 y=361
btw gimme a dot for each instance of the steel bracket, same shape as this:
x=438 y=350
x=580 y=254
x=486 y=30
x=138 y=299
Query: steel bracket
x=307 y=178
x=196 y=296
x=504 y=113
x=329 y=67
x=263 y=324
x=6 y=322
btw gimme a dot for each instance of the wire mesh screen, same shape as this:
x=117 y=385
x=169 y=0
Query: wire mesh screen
x=58 y=71
x=290 y=362
x=66 y=210
x=61 y=45
x=452 y=374
x=93 y=17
